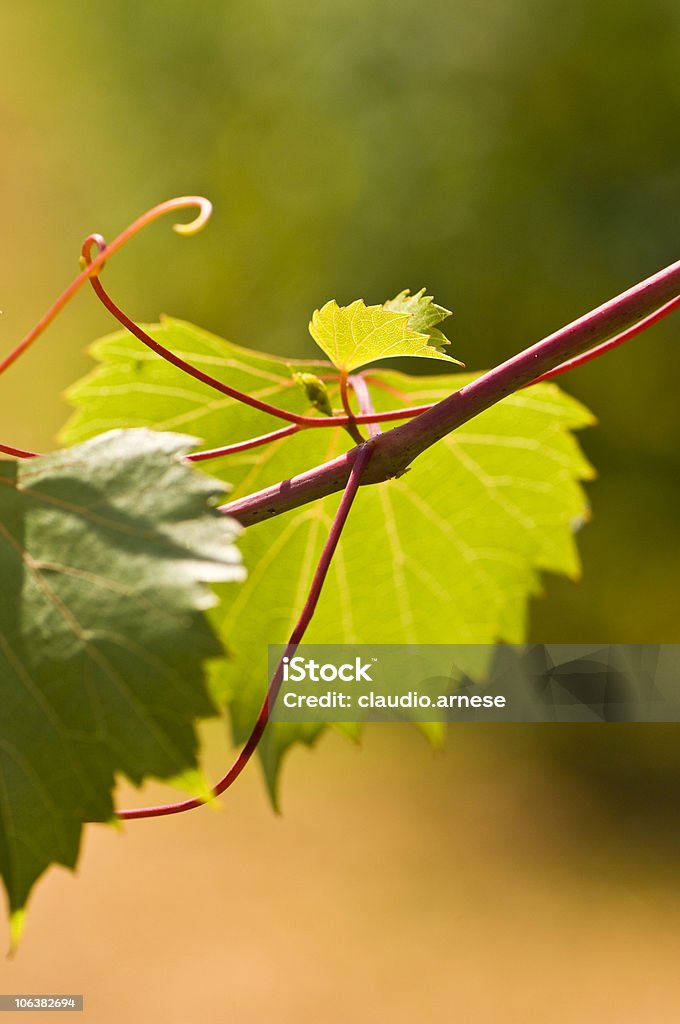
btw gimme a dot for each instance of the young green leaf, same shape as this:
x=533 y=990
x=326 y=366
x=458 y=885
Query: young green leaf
x=424 y=315
x=355 y=335
x=450 y=552
x=105 y=552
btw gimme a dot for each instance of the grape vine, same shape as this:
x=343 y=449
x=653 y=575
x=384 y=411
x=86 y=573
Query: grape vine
x=353 y=337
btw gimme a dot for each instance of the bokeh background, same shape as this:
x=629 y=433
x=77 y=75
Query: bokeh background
x=522 y=160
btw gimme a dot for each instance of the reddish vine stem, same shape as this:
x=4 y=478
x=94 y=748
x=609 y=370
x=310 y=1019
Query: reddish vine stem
x=167 y=354
x=360 y=463
x=368 y=414
x=607 y=346
x=255 y=442
x=394 y=451
x=360 y=389
x=94 y=264
x=244 y=446
x=572 y=346
x=206 y=378
x=351 y=426
x=379 y=417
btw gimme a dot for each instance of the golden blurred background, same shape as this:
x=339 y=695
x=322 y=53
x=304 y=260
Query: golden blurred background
x=522 y=160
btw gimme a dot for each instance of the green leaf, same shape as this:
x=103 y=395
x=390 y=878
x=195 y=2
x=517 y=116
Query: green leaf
x=354 y=335
x=424 y=315
x=105 y=552
x=450 y=552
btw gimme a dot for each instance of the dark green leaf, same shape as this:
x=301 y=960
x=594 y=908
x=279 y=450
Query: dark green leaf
x=105 y=552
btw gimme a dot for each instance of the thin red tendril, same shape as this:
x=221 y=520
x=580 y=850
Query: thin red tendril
x=193 y=371
x=165 y=353
x=19 y=453
x=244 y=446
x=360 y=462
x=94 y=264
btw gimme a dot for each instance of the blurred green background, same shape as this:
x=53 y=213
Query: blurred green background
x=522 y=160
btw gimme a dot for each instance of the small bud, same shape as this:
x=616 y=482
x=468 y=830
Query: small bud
x=316 y=391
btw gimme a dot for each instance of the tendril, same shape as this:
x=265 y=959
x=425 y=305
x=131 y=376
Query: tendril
x=165 y=353
x=244 y=446
x=19 y=453
x=193 y=371
x=204 y=207
x=359 y=465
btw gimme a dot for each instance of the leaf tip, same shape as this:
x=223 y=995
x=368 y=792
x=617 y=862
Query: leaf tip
x=17 y=920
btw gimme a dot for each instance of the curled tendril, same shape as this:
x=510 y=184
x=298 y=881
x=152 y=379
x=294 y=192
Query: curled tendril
x=199 y=222
x=92 y=269
x=86 y=258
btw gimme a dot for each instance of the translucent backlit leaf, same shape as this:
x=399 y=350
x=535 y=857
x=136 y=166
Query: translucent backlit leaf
x=450 y=552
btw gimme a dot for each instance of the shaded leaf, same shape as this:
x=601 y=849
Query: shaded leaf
x=105 y=552
x=424 y=315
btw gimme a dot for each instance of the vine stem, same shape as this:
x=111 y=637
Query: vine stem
x=368 y=414
x=274 y=435
x=264 y=407
x=361 y=461
x=244 y=446
x=394 y=451
x=351 y=426
x=607 y=346
x=204 y=207
x=167 y=354
x=360 y=389
x=94 y=264
x=240 y=396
